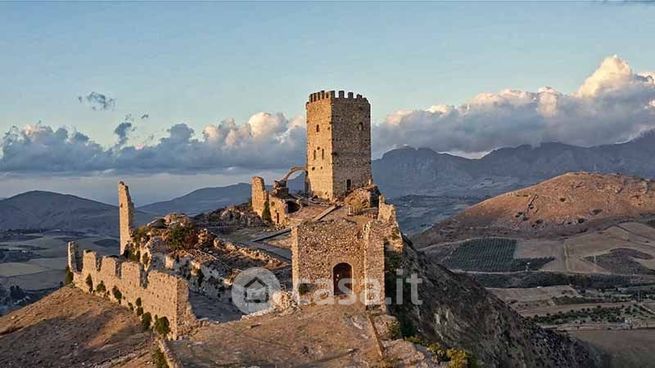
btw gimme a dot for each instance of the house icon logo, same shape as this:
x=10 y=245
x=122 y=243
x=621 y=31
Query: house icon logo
x=253 y=289
x=257 y=291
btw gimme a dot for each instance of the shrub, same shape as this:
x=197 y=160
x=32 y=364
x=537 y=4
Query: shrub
x=146 y=320
x=394 y=331
x=458 y=358
x=138 y=302
x=100 y=288
x=159 y=359
x=89 y=283
x=68 y=278
x=117 y=294
x=162 y=326
x=129 y=305
x=180 y=236
x=139 y=311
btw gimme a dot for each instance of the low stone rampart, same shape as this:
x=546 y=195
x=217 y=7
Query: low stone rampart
x=161 y=294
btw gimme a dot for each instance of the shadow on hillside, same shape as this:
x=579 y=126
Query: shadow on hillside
x=88 y=339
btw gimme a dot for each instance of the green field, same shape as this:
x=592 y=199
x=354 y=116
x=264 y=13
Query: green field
x=491 y=255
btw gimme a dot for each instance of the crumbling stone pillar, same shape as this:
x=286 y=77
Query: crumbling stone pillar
x=125 y=216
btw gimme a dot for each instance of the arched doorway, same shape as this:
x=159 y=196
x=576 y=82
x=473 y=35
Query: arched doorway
x=349 y=184
x=292 y=207
x=340 y=272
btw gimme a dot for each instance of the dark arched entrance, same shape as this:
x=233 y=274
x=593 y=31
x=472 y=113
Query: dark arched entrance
x=340 y=272
x=292 y=207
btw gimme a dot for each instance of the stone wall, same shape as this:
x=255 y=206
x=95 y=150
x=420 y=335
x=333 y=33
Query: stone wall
x=161 y=294
x=279 y=210
x=338 y=143
x=259 y=195
x=317 y=247
x=125 y=216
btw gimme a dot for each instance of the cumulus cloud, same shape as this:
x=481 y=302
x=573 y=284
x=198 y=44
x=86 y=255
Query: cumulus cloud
x=613 y=104
x=98 y=101
x=265 y=141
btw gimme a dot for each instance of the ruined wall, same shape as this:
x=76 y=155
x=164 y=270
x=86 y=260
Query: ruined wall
x=317 y=247
x=338 y=143
x=278 y=208
x=161 y=294
x=125 y=216
x=259 y=195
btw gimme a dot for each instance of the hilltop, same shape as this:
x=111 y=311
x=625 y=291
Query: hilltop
x=568 y=204
x=49 y=210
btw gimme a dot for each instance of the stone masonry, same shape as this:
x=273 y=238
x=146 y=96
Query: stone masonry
x=125 y=216
x=259 y=195
x=338 y=143
x=161 y=294
x=319 y=248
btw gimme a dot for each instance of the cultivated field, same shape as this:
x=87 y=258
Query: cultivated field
x=36 y=261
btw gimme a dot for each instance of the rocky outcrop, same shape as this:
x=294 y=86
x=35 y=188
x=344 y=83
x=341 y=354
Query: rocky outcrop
x=457 y=312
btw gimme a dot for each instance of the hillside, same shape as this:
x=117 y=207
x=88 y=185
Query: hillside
x=202 y=200
x=423 y=171
x=565 y=205
x=48 y=210
x=456 y=311
x=69 y=328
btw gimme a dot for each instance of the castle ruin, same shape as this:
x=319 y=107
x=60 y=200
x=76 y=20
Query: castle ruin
x=332 y=236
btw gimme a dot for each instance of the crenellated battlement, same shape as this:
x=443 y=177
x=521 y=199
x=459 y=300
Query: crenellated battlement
x=160 y=294
x=334 y=95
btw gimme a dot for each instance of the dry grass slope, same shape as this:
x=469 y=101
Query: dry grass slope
x=69 y=328
x=568 y=204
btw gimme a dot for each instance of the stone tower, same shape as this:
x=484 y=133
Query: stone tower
x=338 y=143
x=125 y=216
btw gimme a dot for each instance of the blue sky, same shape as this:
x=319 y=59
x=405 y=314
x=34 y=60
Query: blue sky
x=201 y=63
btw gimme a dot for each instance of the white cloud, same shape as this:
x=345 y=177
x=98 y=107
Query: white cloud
x=265 y=141
x=612 y=105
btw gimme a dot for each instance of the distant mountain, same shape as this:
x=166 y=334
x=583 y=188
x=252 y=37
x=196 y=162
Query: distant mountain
x=202 y=200
x=423 y=171
x=48 y=210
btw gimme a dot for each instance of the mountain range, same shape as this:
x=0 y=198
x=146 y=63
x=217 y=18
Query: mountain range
x=401 y=173
x=423 y=171
x=48 y=210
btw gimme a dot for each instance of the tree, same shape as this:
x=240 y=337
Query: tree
x=161 y=326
